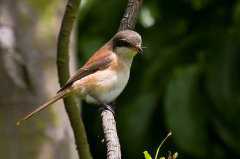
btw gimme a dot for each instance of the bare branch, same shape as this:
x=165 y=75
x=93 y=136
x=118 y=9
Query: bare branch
x=71 y=105
x=130 y=16
x=108 y=122
x=110 y=134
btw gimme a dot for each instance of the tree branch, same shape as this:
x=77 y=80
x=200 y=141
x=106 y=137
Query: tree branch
x=110 y=135
x=71 y=104
x=108 y=122
x=130 y=16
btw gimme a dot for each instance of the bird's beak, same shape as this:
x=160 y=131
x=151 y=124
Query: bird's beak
x=139 y=49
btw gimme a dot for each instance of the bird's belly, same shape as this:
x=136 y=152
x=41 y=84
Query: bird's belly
x=108 y=86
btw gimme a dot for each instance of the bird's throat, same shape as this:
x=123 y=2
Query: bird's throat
x=126 y=55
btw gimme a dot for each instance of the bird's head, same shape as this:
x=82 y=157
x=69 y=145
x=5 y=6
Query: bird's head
x=127 y=43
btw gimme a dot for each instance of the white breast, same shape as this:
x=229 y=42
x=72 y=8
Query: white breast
x=105 y=85
x=109 y=85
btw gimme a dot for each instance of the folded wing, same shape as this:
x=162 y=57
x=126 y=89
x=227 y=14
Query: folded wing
x=99 y=61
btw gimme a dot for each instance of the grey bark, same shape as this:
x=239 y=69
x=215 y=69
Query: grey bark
x=128 y=21
x=110 y=135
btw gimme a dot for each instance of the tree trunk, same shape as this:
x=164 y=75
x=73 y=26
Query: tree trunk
x=23 y=89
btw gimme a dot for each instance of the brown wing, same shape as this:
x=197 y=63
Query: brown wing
x=99 y=61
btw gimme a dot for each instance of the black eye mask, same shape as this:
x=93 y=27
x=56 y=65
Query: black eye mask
x=122 y=43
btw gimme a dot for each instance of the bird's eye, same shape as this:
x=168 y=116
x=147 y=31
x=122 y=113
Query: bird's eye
x=122 y=43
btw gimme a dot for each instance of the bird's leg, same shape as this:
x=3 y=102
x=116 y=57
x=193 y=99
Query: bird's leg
x=113 y=105
x=104 y=106
x=107 y=107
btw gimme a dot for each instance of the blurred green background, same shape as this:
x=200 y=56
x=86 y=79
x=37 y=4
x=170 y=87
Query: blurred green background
x=187 y=81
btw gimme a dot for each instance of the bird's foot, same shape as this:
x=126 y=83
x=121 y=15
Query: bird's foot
x=105 y=106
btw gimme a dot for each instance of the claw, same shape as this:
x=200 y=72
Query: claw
x=107 y=107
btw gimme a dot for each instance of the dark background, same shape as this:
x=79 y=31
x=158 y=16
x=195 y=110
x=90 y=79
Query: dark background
x=187 y=81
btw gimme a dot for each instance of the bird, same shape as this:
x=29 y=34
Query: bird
x=104 y=76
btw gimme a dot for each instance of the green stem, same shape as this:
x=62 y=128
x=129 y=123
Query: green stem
x=70 y=102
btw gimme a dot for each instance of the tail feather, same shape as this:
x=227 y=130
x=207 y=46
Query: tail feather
x=45 y=105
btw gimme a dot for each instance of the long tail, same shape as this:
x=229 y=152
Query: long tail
x=45 y=105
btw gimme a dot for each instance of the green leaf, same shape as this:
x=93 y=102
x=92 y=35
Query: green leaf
x=185 y=112
x=222 y=81
x=156 y=155
x=138 y=111
x=147 y=155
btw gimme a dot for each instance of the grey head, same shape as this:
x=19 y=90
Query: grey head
x=127 y=40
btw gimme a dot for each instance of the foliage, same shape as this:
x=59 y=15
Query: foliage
x=148 y=156
x=187 y=80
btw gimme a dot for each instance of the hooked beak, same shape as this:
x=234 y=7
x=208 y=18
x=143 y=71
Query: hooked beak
x=139 y=49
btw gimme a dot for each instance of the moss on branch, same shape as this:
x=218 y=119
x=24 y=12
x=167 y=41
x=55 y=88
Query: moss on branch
x=70 y=102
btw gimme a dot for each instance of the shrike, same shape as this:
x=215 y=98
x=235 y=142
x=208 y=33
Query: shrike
x=104 y=76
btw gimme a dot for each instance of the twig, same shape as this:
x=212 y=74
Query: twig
x=108 y=122
x=130 y=16
x=71 y=105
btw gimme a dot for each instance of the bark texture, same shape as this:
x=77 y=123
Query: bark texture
x=108 y=121
x=110 y=135
x=130 y=16
x=71 y=105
